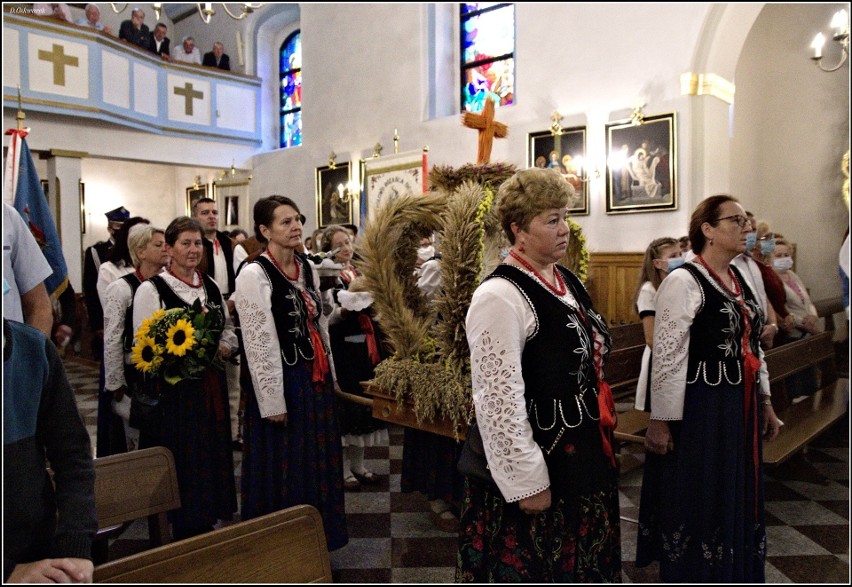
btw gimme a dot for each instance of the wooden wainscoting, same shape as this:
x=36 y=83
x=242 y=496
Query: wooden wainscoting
x=611 y=281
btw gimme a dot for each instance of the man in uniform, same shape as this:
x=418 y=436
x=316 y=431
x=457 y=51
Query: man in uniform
x=95 y=255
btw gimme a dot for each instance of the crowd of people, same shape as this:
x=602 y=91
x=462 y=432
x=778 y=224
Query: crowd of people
x=134 y=31
x=294 y=338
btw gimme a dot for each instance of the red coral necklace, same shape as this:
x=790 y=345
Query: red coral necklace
x=189 y=283
x=280 y=268
x=559 y=289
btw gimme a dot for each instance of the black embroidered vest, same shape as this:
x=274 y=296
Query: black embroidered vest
x=289 y=311
x=716 y=334
x=560 y=382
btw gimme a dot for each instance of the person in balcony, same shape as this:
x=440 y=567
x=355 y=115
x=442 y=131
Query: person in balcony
x=217 y=57
x=134 y=31
x=187 y=52
x=93 y=19
x=160 y=44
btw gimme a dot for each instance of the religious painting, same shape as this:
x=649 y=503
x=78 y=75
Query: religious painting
x=641 y=174
x=334 y=200
x=566 y=153
x=193 y=194
x=387 y=178
x=234 y=197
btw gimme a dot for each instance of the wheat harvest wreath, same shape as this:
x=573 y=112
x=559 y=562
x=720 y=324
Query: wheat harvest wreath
x=429 y=370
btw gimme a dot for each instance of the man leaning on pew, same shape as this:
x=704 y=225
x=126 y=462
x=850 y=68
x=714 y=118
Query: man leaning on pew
x=48 y=526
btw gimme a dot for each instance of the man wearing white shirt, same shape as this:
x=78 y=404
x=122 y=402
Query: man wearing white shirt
x=218 y=263
x=187 y=52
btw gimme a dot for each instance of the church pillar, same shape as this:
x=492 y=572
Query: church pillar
x=64 y=174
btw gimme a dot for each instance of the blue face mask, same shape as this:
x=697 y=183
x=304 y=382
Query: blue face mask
x=751 y=240
x=6 y=288
x=767 y=247
x=674 y=263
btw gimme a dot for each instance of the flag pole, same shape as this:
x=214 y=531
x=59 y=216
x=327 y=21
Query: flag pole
x=20 y=116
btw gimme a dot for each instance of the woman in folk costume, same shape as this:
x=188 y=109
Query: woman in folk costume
x=195 y=414
x=291 y=443
x=546 y=416
x=701 y=512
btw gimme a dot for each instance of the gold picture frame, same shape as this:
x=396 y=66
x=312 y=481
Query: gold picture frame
x=565 y=152
x=334 y=201
x=641 y=171
x=193 y=194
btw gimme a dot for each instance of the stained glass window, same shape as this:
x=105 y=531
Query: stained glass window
x=290 y=72
x=488 y=54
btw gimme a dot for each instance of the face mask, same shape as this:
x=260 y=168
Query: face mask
x=425 y=253
x=767 y=247
x=6 y=288
x=783 y=263
x=503 y=254
x=751 y=240
x=674 y=263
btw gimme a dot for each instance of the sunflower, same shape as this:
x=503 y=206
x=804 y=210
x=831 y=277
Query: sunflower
x=179 y=338
x=147 y=356
x=144 y=329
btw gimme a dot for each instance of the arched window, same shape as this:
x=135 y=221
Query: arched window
x=290 y=107
x=487 y=54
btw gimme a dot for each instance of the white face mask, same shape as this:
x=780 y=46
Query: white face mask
x=783 y=263
x=425 y=253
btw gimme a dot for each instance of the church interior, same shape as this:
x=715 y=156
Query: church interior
x=729 y=92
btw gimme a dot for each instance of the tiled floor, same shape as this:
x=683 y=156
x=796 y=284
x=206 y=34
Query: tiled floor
x=393 y=538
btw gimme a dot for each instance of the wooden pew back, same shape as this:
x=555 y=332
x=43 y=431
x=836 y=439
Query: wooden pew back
x=287 y=546
x=134 y=485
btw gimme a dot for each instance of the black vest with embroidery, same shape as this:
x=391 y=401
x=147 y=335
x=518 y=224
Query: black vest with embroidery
x=716 y=334
x=560 y=382
x=290 y=312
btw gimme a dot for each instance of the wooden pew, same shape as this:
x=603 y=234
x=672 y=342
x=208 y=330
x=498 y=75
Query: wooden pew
x=827 y=308
x=130 y=486
x=803 y=421
x=287 y=546
x=625 y=360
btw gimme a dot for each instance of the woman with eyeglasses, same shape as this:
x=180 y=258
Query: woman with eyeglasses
x=702 y=508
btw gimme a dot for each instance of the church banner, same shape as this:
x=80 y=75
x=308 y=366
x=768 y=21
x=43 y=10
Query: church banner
x=387 y=178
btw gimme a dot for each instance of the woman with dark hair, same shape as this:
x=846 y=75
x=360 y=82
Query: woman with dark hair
x=701 y=513
x=291 y=442
x=110 y=428
x=550 y=512
x=196 y=423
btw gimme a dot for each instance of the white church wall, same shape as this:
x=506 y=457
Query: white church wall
x=790 y=130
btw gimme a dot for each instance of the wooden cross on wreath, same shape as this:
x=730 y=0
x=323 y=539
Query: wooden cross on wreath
x=488 y=129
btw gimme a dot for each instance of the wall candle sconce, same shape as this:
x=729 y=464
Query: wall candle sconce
x=348 y=191
x=840 y=24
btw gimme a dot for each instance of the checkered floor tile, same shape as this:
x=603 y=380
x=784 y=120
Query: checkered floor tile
x=394 y=538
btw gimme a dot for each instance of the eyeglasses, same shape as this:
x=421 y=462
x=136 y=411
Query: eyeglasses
x=738 y=218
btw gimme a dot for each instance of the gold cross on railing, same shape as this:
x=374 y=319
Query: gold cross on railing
x=188 y=94
x=59 y=60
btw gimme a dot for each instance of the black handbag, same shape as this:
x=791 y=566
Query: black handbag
x=472 y=462
x=145 y=411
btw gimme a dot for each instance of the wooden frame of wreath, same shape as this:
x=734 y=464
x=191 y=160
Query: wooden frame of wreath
x=428 y=374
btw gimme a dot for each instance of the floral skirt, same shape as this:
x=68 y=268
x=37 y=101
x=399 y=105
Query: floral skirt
x=298 y=463
x=701 y=512
x=576 y=542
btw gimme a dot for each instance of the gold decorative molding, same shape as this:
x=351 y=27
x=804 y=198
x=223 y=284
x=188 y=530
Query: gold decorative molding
x=69 y=154
x=707 y=84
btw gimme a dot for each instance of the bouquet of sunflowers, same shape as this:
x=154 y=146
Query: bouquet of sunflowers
x=179 y=343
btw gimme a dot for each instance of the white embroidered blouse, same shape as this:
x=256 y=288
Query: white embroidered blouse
x=678 y=301
x=253 y=299
x=117 y=299
x=147 y=301
x=499 y=322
